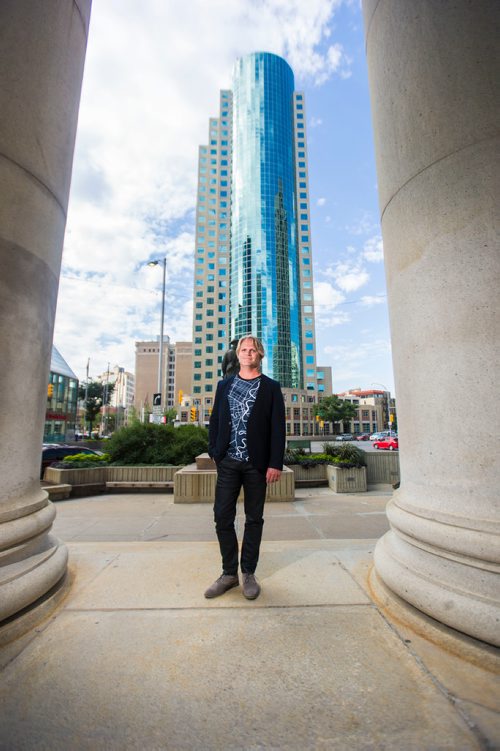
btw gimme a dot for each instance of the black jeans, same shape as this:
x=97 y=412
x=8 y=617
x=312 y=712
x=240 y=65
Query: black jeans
x=231 y=476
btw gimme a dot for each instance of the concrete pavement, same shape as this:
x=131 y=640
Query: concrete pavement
x=136 y=658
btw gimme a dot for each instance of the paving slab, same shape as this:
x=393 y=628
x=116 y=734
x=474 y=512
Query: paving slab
x=175 y=575
x=224 y=679
x=136 y=658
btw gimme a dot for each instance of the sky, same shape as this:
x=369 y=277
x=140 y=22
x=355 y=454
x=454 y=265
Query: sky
x=153 y=74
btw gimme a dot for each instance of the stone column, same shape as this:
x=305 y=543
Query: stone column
x=42 y=48
x=432 y=68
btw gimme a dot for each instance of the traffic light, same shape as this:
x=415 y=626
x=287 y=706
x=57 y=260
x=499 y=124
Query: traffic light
x=181 y=394
x=50 y=390
x=193 y=414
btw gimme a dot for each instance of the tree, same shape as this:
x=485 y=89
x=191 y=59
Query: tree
x=333 y=409
x=94 y=394
x=170 y=414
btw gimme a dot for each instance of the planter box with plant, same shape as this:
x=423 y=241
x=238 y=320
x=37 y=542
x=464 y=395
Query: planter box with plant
x=309 y=469
x=346 y=469
x=140 y=453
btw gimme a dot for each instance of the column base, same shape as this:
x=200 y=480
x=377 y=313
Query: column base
x=455 y=593
x=33 y=563
x=31 y=616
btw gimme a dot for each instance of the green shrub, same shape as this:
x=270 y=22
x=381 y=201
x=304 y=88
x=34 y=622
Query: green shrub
x=345 y=454
x=148 y=443
x=190 y=441
x=86 y=458
x=294 y=456
x=82 y=461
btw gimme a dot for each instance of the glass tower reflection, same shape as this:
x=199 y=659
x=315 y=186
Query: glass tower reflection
x=264 y=263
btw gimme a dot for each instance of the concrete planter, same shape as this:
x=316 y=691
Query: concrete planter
x=92 y=480
x=193 y=485
x=382 y=467
x=309 y=476
x=343 y=480
x=90 y=475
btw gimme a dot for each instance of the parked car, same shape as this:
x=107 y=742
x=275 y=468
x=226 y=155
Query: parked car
x=55 y=452
x=344 y=437
x=379 y=435
x=363 y=437
x=389 y=442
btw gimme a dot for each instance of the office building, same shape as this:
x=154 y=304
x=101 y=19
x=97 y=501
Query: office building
x=253 y=264
x=121 y=399
x=324 y=380
x=376 y=410
x=176 y=373
x=62 y=394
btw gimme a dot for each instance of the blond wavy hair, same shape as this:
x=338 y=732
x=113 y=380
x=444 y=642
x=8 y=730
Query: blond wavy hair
x=256 y=343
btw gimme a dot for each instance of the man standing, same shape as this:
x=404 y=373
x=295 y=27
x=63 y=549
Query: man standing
x=247 y=442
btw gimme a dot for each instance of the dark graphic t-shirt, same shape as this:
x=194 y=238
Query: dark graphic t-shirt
x=242 y=395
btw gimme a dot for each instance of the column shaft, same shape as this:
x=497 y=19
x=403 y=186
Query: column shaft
x=42 y=47
x=432 y=68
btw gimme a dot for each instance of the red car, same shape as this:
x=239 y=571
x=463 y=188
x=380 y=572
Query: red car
x=390 y=443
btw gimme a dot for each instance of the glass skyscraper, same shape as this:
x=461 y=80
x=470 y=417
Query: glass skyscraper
x=253 y=266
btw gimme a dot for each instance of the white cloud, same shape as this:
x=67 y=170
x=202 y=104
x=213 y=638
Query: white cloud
x=355 y=363
x=321 y=201
x=326 y=299
x=373 y=249
x=337 y=319
x=153 y=73
x=326 y=296
x=365 y=225
x=315 y=122
x=369 y=300
x=348 y=275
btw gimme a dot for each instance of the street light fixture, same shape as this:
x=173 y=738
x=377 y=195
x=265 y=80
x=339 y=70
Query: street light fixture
x=157 y=262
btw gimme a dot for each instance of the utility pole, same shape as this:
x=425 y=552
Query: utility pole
x=86 y=397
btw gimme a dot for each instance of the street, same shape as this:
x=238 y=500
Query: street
x=317 y=444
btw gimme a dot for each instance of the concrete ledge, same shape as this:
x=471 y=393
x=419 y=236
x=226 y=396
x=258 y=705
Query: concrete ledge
x=58 y=492
x=87 y=488
x=142 y=486
x=203 y=461
x=95 y=480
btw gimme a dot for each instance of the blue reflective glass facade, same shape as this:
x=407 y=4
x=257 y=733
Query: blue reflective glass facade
x=264 y=262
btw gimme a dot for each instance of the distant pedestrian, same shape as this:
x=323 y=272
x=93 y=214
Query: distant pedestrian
x=247 y=442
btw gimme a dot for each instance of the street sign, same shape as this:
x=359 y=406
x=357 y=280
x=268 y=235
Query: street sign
x=156 y=400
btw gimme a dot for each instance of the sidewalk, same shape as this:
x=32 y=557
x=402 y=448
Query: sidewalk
x=136 y=658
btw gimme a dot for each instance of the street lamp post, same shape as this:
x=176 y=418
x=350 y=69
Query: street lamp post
x=160 y=360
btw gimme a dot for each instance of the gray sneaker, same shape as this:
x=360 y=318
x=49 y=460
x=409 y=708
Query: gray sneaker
x=223 y=583
x=251 y=587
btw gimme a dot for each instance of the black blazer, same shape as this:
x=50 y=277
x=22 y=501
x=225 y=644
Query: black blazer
x=265 y=428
